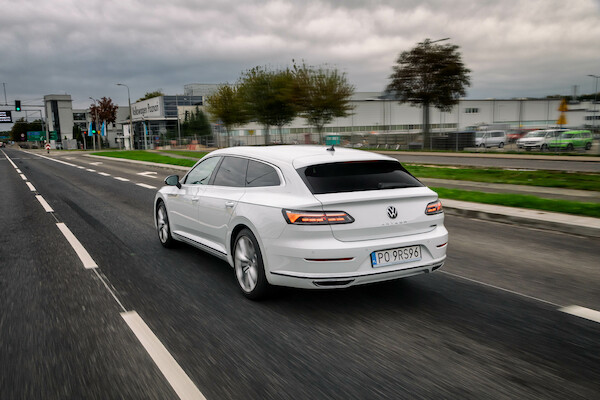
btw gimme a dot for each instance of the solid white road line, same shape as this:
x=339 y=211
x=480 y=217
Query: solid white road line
x=121 y=179
x=146 y=186
x=176 y=376
x=44 y=204
x=501 y=288
x=84 y=256
x=31 y=187
x=582 y=312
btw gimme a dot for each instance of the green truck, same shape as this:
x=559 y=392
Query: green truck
x=571 y=140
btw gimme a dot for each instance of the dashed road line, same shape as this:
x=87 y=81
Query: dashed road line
x=44 y=204
x=31 y=187
x=84 y=256
x=179 y=380
x=146 y=186
x=582 y=312
x=121 y=179
x=23 y=177
x=103 y=174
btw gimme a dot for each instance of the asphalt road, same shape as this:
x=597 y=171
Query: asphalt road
x=488 y=325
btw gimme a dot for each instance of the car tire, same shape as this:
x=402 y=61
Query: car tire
x=482 y=145
x=569 y=147
x=588 y=145
x=163 y=228
x=544 y=147
x=248 y=266
x=501 y=145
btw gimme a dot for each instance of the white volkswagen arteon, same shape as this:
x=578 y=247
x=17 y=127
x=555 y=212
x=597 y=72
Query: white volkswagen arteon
x=304 y=216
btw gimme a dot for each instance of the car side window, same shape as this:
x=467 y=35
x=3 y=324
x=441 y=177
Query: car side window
x=200 y=174
x=261 y=174
x=232 y=172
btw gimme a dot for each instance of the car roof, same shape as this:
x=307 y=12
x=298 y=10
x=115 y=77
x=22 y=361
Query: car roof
x=301 y=155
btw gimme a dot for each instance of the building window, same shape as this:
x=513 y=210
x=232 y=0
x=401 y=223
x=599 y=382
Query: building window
x=472 y=110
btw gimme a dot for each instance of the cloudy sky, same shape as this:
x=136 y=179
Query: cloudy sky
x=514 y=48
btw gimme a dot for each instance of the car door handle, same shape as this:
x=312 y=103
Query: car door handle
x=229 y=204
x=195 y=199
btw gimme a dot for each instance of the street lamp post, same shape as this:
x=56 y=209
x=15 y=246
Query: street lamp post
x=130 y=116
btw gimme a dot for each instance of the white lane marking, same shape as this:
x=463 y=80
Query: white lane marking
x=103 y=174
x=148 y=174
x=121 y=179
x=19 y=171
x=501 y=288
x=10 y=161
x=84 y=256
x=146 y=186
x=44 y=203
x=23 y=177
x=31 y=187
x=176 y=376
x=95 y=163
x=582 y=312
x=91 y=170
x=79 y=166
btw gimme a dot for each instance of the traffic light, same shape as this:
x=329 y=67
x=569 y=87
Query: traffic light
x=93 y=128
x=17 y=105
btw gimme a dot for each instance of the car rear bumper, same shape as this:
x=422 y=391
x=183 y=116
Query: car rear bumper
x=331 y=263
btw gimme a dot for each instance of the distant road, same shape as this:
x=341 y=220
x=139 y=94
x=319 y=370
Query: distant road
x=558 y=163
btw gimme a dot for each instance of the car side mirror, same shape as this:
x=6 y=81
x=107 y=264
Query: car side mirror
x=173 y=180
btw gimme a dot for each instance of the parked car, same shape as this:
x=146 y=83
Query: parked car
x=515 y=134
x=539 y=140
x=490 y=139
x=571 y=140
x=304 y=216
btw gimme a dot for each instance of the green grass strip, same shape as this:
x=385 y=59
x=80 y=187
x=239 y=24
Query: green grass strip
x=142 y=155
x=557 y=179
x=192 y=154
x=522 y=201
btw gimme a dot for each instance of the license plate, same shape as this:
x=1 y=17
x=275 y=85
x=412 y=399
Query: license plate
x=400 y=255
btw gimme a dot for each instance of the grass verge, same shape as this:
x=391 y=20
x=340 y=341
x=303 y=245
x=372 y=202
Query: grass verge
x=142 y=155
x=522 y=201
x=557 y=179
x=186 y=153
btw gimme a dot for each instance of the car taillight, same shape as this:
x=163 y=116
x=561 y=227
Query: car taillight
x=316 y=218
x=435 y=207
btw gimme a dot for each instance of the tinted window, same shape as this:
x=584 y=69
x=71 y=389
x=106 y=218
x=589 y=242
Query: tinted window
x=357 y=176
x=260 y=174
x=201 y=173
x=232 y=172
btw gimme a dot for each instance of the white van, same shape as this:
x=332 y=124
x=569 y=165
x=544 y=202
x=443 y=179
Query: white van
x=490 y=139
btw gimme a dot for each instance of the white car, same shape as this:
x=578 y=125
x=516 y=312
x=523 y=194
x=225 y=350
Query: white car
x=539 y=140
x=304 y=216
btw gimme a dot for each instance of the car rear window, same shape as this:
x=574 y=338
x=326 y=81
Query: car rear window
x=356 y=176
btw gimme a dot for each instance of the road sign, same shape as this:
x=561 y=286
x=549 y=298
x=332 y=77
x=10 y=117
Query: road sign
x=47 y=146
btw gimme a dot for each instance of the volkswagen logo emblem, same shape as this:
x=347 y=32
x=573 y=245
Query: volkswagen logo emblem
x=392 y=213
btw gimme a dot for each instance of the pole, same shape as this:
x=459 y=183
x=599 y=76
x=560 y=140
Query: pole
x=178 y=124
x=5 y=102
x=130 y=116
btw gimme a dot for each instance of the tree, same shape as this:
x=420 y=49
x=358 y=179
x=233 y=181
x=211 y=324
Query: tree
x=322 y=94
x=196 y=124
x=149 y=95
x=429 y=74
x=104 y=111
x=21 y=127
x=226 y=107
